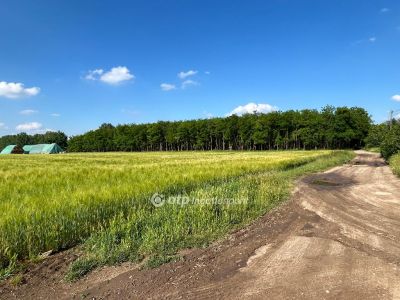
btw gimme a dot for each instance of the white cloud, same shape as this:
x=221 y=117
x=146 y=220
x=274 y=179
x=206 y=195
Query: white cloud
x=183 y=75
x=396 y=98
x=117 y=75
x=167 y=86
x=114 y=76
x=28 y=112
x=16 y=90
x=55 y=115
x=29 y=126
x=3 y=126
x=94 y=74
x=188 y=83
x=207 y=72
x=251 y=108
x=385 y=10
x=372 y=39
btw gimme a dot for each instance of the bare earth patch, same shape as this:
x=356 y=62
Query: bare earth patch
x=337 y=238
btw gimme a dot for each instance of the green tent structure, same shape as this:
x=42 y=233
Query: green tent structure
x=12 y=149
x=42 y=149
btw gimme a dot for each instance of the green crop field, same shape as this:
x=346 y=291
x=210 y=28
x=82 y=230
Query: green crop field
x=103 y=200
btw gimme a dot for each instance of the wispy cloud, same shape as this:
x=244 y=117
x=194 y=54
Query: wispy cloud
x=188 y=83
x=94 y=74
x=167 y=86
x=13 y=90
x=3 y=126
x=29 y=126
x=28 y=112
x=55 y=115
x=114 y=76
x=251 y=108
x=385 y=10
x=185 y=81
x=371 y=39
x=183 y=75
x=396 y=98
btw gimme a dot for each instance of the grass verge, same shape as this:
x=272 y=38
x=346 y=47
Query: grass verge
x=394 y=163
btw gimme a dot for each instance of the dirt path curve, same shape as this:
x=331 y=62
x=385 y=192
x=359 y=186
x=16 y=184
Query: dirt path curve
x=338 y=238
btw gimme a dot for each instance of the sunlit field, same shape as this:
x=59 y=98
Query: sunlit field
x=54 y=202
x=395 y=164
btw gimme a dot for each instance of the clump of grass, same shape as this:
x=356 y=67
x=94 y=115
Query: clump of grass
x=9 y=267
x=157 y=260
x=81 y=267
x=17 y=280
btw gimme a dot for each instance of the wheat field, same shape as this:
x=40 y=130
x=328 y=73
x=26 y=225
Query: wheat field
x=54 y=202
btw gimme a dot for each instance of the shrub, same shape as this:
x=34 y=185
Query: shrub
x=391 y=143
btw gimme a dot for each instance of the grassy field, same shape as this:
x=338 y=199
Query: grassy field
x=395 y=164
x=56 y=202
x=373 y=149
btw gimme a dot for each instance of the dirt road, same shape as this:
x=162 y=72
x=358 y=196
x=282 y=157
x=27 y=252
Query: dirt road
x=337 y=238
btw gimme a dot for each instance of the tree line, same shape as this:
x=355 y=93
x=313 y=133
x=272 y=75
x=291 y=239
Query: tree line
x=22 y=139
x=328 y=128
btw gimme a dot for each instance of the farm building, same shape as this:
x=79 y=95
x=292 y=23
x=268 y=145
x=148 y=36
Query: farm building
x=42 y=149
x=12 y=149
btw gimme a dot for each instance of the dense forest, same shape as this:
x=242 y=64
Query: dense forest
x=22 y=139
x=329 y=128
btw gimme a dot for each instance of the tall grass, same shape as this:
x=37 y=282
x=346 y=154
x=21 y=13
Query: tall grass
x=395 y=164
x=56 y=202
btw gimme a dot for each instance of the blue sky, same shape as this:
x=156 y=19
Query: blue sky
x=72 y=65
